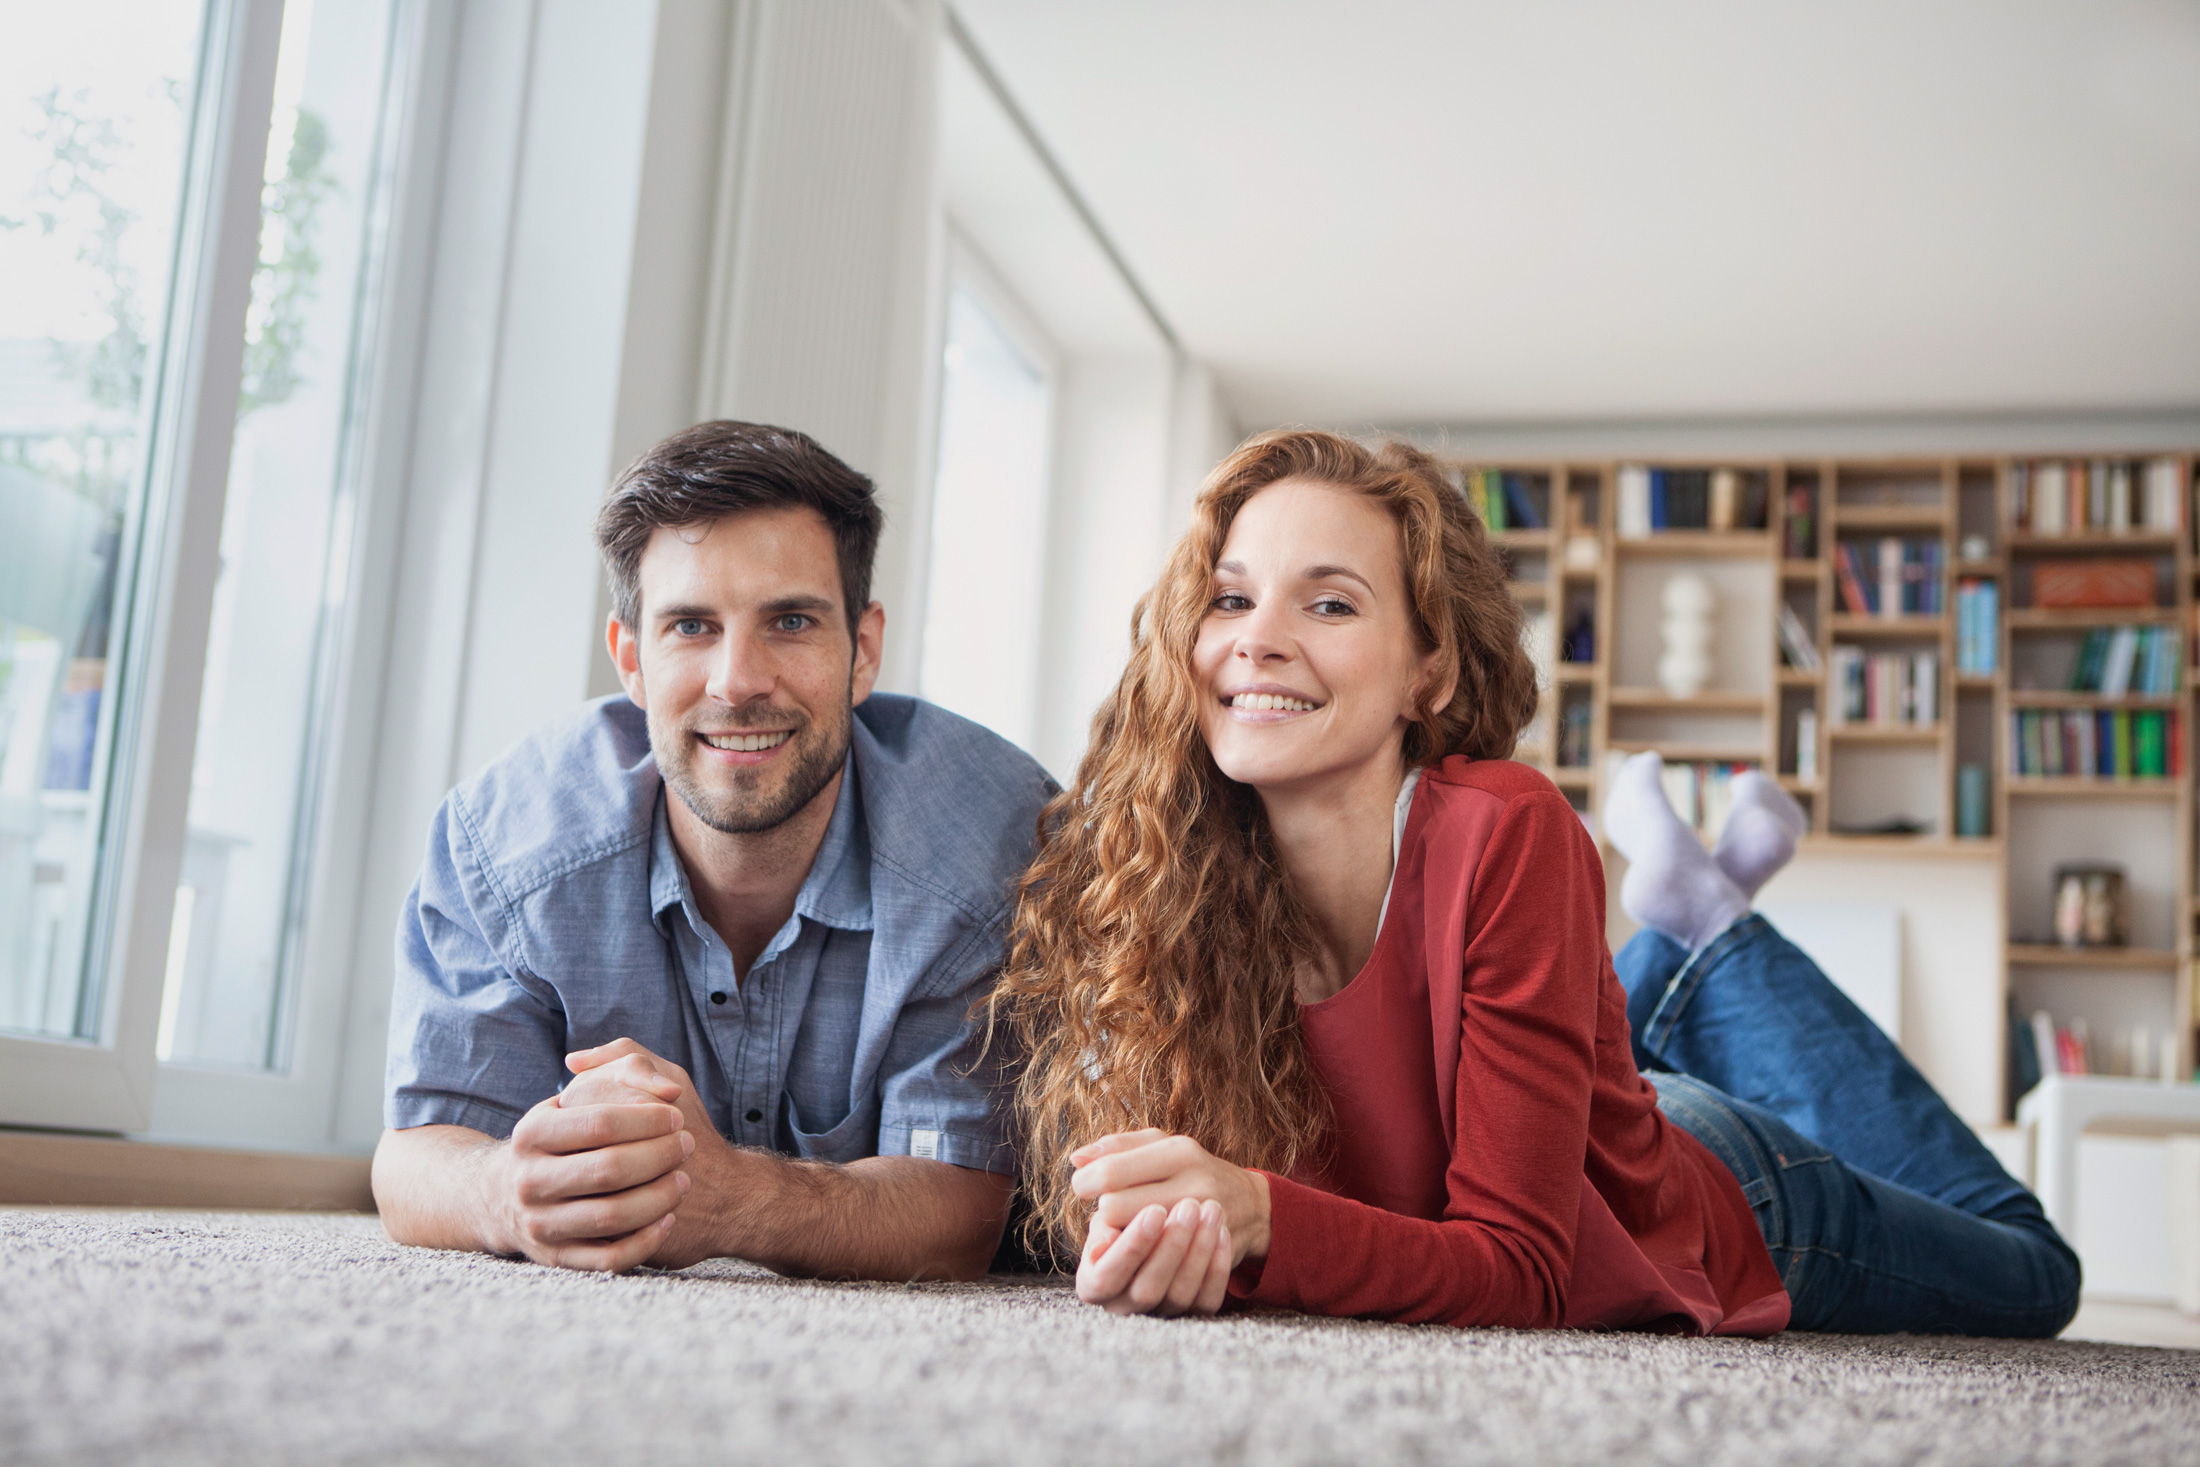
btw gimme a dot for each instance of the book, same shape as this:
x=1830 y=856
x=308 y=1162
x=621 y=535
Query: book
x=2123 y=643
x=1796 y=644
x=1849 y=571
x=2043 y=1039
x=1892 y=601
x=1806 y=744
x=2083 y=582
x=2024 y=1055
x=2163 y=494
x=2148 y=759
x=1725 y=486
x=1520 y=510
x=2051 y=499
x=1634 y=501
x=1801 y=535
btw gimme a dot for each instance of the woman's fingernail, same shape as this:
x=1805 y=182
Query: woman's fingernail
x=665 y=1224
x=1185 y=1213
x=687 y=1143
x=684 y=1182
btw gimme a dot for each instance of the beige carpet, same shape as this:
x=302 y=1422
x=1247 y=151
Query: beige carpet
x=237 y=1338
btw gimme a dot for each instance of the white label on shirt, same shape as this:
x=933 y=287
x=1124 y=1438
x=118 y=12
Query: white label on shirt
x=925 y=1144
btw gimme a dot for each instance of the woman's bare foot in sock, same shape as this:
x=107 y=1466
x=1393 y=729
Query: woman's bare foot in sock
x=1761 y=830
x=1672 y=883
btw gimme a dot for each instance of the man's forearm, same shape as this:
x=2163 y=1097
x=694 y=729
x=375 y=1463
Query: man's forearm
x=432 y=1186
x=897 y=1218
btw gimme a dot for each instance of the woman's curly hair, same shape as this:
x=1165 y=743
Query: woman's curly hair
x=1150 y=972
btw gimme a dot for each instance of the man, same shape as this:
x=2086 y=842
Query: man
x=749 y=907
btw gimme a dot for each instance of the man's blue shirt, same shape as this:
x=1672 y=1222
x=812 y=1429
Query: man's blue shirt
x=553 y=914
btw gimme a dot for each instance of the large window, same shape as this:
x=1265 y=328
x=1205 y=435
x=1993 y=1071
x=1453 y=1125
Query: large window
x=96 y=107
x=988 y=544
x=279 y=599
x=181 y=389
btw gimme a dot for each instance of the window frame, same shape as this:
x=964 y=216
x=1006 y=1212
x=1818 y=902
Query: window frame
x=113 y=1081
x=292 y=1104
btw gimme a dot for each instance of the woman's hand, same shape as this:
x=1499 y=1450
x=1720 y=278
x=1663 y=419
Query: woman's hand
x=1170 y=1223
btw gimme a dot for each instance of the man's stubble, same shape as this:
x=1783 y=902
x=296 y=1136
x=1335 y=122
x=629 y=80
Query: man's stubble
x=750 y=808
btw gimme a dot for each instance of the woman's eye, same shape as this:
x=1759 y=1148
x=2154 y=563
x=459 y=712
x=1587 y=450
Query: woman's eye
x=1334 y=606
x=1232 y=601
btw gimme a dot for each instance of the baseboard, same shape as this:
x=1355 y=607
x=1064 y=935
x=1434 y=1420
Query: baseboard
x=42 y=1168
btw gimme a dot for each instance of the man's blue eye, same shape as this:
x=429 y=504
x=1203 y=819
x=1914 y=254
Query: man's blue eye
x=688 y=627
x=793 y=622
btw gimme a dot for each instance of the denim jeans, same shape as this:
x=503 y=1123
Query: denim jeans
x=1882 y=1210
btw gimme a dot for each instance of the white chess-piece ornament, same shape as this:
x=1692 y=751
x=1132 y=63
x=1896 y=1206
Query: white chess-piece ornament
x=1689 y=602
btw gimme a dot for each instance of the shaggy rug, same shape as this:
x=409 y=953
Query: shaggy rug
x=241 y=1338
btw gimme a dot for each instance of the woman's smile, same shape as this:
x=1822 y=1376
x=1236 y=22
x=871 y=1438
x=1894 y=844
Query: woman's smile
x=1268 y=703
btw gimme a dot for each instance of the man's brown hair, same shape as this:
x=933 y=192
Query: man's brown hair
x=722 y=467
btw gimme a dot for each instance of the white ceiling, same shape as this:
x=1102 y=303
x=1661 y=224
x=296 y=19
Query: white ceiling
x=1429 y=211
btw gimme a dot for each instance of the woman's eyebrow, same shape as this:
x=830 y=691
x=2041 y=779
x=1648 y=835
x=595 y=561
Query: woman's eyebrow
x=1324 y=572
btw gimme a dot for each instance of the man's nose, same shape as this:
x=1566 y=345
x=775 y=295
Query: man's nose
x=742 y=669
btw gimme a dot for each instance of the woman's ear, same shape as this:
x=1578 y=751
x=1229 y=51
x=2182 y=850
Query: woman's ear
x=1437 y=684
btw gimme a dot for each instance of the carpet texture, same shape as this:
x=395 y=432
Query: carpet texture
x=238 y=1338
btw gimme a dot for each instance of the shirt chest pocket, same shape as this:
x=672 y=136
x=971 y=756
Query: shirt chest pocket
x=853 y=1136
x=825 y=1112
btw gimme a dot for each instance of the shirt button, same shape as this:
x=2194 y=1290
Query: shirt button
x=718 y=997
x=754 y=1116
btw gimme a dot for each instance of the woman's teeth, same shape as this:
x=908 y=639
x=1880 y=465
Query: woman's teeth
x=1271 y=702
x=748 y=743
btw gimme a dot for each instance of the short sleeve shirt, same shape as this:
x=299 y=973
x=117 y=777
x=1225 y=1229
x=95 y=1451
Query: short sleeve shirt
x=553 y=913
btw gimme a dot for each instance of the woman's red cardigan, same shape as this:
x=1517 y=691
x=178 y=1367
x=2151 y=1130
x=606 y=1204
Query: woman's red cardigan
x=1496 y=1159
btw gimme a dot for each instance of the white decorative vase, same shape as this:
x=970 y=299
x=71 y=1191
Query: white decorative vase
x=1685 y=668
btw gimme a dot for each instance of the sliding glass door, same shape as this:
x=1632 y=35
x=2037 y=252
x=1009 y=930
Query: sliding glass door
x=193 y=215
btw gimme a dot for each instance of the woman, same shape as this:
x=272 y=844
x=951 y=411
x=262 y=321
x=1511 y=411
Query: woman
x=1319 y=1012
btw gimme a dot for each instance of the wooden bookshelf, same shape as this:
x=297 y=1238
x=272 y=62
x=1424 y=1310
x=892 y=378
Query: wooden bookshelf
x=1749 y=716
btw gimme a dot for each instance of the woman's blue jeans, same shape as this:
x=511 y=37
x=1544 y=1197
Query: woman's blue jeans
x=1882 y=1210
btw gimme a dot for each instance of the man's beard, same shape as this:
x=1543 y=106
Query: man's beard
x=753 y=806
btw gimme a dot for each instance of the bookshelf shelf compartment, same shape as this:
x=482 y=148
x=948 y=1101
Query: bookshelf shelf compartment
x=2097 y=540
x=2095 y=700
x=1680 y=753
x=1697 y=542
x=1881 y=733
x=2034 y=619
x=1849 y=624
x=2094 y=789
x=2053 y=955
x=1983 y=848
x=1657 y=698
x=1863 y=517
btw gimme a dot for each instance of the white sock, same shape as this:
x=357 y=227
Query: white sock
x=1760 y=833
x=1672 y=884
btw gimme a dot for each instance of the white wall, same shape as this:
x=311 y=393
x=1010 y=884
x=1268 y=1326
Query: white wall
x=821 y=315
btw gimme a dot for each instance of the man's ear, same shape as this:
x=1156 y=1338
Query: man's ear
x=626 y=656
x=870 y=649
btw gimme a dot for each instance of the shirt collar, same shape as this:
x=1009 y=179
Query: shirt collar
x=837 y=892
